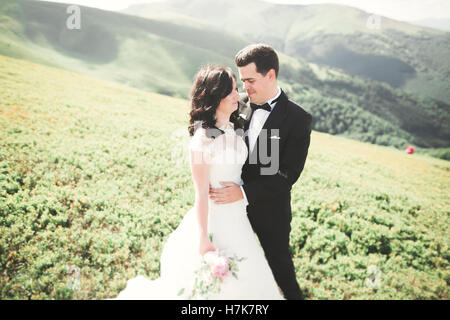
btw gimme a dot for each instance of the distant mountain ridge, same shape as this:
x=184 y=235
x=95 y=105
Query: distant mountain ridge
x=161 y=56
x=403 y=55
x=440 y=24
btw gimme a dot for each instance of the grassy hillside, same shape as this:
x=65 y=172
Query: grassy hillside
x=403 y=55
x=342 y=104
x=162 y=56
x=367 y=110
x=91 y=180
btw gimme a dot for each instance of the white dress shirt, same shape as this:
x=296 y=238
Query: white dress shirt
x=259 y=117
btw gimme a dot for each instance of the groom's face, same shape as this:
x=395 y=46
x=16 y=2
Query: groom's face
x=257 y=86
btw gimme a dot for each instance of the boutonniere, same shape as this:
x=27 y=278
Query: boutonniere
x=242 y=118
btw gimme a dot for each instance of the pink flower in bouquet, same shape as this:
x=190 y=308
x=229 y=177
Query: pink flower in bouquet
x=221 y=267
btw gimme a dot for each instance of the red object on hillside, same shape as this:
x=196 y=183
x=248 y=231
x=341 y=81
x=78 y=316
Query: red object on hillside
x=409 y=149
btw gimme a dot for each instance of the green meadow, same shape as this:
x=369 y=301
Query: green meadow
x=92 y=179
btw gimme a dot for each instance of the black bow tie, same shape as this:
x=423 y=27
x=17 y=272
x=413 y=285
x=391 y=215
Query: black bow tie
x=265 y=106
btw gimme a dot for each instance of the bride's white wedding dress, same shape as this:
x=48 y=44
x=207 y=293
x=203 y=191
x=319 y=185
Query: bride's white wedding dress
x=231 y=232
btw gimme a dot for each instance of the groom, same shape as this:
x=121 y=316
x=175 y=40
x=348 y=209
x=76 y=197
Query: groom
x=266 y=108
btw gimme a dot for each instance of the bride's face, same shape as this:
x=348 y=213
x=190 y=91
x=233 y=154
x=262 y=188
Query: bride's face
x=230 y=103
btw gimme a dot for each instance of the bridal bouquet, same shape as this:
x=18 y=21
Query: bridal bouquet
x=215 y=268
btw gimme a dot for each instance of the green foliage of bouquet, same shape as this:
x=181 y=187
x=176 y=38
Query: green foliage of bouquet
x=216 y=267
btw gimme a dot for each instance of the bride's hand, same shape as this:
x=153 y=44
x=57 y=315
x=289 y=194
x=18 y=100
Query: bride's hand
x=205 y=246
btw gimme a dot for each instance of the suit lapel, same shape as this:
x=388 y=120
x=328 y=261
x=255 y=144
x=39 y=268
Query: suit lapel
x=246 y=111
x=277 y=115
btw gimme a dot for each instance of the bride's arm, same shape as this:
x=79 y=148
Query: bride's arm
x=200 y=175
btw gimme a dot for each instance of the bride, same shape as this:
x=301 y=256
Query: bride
x=217 y=154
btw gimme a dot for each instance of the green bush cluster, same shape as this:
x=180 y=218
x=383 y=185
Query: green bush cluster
x=334 y=244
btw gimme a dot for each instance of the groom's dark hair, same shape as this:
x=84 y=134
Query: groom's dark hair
x=263 y=55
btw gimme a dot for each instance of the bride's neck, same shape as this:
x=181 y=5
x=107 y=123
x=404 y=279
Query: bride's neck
x=222 y=119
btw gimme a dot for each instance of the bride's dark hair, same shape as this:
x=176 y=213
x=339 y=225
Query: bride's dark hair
x=211 y=85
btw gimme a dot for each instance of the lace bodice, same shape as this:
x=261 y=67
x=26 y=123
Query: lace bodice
x=226 y=154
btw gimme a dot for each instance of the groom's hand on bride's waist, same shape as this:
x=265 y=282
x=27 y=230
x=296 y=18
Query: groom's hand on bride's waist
x=230 y=192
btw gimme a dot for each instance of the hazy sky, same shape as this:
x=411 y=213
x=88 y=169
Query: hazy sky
x=406 y=10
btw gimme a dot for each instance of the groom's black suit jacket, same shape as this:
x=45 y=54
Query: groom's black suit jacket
x=269 y=195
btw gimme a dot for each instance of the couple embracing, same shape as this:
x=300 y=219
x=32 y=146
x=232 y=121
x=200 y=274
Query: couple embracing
x=238 y=230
